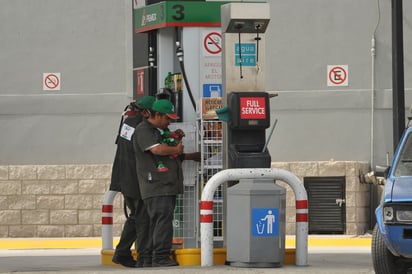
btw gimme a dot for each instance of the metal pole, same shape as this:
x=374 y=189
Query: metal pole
x=270 y=135
x=152 y=41
x=398 y=89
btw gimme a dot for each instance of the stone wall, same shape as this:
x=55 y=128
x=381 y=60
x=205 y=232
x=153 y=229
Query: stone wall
x=54 y=200
x=66 y=200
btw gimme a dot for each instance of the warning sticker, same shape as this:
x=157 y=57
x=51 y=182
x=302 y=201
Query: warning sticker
x=252 y=108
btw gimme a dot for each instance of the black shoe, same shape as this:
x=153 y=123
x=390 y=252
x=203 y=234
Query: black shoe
x=164 y=262
x=139 y=263
x=124 y=261
x=147 y=263
x=144 y=262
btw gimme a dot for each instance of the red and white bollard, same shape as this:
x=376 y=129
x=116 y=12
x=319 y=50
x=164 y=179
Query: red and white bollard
x=107 y=220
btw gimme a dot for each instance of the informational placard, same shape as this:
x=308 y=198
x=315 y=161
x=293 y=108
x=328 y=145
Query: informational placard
x=210 y=62
x=209 y=106
x=252 y=108
x=245 y=54
x=211 y=70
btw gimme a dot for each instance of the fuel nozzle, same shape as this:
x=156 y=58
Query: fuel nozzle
x=132 y=105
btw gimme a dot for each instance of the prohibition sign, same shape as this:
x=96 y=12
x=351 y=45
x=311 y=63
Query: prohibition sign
x=213 y=43
x=51 y=81
x=337 y=75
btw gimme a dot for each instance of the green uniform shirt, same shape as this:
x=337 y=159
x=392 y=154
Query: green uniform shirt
x=153 y=183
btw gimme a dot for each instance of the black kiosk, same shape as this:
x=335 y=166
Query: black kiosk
x=250 y=117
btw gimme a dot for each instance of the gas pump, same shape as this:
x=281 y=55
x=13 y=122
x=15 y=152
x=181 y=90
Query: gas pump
x=177 y=27
x=181 y=70
x=256 y=237
x=243 y=28
x=173 y=28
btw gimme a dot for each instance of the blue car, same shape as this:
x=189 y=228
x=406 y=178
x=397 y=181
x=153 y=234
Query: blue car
x=392 y=234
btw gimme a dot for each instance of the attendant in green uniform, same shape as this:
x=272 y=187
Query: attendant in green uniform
x=159 y=189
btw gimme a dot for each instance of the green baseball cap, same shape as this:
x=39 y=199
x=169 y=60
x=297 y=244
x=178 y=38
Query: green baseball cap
x=166 y=107
x=146 y=102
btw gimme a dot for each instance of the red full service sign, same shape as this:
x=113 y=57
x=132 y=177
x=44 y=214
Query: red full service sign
x=252 y=108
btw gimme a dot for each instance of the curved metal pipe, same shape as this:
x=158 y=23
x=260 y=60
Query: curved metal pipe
x=206 y=208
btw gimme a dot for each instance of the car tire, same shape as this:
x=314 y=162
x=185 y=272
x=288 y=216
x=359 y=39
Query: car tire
x=384 y=262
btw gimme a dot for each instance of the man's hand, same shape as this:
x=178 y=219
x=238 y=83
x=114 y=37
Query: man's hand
x=179 y=148
x=195 y=156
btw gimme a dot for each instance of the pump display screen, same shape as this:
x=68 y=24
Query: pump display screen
x=252 y=108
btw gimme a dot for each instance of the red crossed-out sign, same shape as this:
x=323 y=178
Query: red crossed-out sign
x=51 y=81
x=338 y=75
x=213 y=43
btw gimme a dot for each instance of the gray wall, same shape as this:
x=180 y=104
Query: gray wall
x=317 y=122
x=90 y=44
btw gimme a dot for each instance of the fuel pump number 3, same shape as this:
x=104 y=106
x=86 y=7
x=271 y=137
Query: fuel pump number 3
x=180 y=12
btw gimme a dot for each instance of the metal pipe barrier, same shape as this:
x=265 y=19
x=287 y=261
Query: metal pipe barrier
x=107 y=220
x=206 y=208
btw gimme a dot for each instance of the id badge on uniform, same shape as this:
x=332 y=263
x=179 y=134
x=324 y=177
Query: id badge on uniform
x=127 y=132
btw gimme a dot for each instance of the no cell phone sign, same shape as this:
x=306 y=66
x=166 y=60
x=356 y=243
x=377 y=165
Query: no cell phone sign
x=51 y=81
x=337 y=75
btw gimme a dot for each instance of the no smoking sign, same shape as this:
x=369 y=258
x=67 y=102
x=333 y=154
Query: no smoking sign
x=51 y=81
x=212 y=44
x=337 y=75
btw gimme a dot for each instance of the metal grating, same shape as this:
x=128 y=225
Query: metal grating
x=326 y=201
x=211 y=146
x=186 y=211
x=208 y=137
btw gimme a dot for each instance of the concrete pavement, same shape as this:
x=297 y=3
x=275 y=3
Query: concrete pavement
x=336 y=254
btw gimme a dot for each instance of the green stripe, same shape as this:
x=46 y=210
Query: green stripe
x=177 y=13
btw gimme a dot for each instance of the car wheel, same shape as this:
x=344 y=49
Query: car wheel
x=384 y=262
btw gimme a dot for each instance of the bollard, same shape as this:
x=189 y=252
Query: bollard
x=206 y=208
x=107 y=220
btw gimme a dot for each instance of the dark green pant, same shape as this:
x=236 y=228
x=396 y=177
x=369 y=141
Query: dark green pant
x=160 y=210
x=136 y=229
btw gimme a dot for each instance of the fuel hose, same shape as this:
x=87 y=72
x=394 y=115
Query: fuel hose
x=179 y=54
